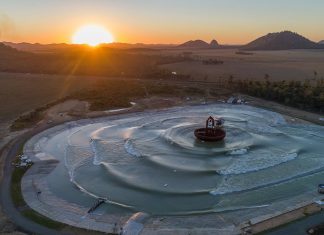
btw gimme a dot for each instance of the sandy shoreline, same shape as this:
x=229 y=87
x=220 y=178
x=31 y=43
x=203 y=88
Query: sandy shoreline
x=220 y=223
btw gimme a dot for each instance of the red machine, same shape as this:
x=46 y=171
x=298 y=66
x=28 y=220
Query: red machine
x=213 y=132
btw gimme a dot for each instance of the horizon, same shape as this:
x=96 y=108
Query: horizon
x=230 y=22
x=141 y=43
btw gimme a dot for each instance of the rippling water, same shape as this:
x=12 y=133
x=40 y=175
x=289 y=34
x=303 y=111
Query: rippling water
x=152 y=162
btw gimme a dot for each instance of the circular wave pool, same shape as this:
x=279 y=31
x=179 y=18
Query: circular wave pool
x=152 y=162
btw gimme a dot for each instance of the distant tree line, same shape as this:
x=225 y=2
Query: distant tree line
x=212 y=62
x=307 y=95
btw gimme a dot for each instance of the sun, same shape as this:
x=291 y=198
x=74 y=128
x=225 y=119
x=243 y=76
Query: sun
x=92 y=35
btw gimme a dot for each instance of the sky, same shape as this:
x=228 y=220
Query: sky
x=160 y=21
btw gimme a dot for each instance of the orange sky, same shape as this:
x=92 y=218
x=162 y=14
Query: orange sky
x=167 y=21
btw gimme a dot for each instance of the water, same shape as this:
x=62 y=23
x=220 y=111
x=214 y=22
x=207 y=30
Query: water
x=152 y=162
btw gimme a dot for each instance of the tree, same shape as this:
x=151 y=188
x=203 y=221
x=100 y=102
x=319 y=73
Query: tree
x=266 y=76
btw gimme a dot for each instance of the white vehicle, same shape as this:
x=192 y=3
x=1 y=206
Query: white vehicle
x=23 y=158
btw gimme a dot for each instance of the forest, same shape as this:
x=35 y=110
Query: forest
x=306 y=95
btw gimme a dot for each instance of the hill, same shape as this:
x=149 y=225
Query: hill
x=36 y=47
x=281 y=41
x=199 y=44
x=195 y=44
x=321 y=42
x=213 y=44
x=7 y=50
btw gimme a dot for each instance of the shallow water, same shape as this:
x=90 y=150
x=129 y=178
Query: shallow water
x=152 y=162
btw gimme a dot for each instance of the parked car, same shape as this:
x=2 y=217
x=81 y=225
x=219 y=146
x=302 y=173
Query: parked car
x=321 y=188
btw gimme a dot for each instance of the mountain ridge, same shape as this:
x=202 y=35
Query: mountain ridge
x=198 y=43
x=284 y=40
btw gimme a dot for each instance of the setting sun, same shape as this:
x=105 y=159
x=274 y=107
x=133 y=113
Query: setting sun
x=92 y=35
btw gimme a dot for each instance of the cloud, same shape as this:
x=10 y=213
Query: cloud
x=7 y=26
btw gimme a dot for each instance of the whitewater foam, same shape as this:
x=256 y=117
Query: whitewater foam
x=252 y=162
x=130 y=149
x=96 y=157
x=238 y=152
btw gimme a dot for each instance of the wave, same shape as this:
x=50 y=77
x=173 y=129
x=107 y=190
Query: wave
x=251 y=163
x=130 y=149
x=154 y=189
x=238 y=152
x=96 y=157
x=228 y=189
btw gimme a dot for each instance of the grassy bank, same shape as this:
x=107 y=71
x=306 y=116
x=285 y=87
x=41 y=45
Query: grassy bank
x=26 y=211
x=31 y=118
x=19 y=202
x=16 y=193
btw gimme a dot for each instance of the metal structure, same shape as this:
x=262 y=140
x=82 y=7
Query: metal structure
x=213 y=131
